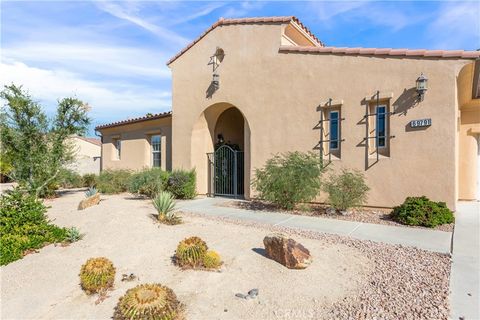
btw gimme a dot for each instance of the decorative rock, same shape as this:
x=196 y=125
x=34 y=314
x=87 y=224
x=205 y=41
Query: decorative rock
x=90 y=201
x=331 y=211
x=287 y=251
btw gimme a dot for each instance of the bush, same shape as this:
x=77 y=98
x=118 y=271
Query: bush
x=165 y=205
x=113 y=181
x=24 y=226
x=69 y=179
x=182 y=184
x=73 y=235
x=421 y=211
x=289 y=179
x=148 y=301
x=148 y=182
x=96 y=275
x=346 y=189
x=89 y=180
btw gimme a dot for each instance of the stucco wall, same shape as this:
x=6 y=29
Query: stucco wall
x=136 y=148
x=87 y=156
x=278 y=94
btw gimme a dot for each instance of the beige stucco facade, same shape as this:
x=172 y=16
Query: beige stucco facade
x=281 y=95
x=136 y=149
x=86 y=155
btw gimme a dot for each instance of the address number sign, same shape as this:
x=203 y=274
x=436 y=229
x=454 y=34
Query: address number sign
x=420 y=123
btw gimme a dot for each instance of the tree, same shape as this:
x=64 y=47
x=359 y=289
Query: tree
x=36 y=144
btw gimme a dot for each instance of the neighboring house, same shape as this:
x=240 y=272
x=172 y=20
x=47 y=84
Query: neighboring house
x=268 y=85
x=87 y=155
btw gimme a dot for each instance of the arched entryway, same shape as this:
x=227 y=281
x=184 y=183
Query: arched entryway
x=221 y=151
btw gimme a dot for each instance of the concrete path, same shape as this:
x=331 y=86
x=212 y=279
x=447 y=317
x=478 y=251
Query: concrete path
x=465 y=276
x=432 y=240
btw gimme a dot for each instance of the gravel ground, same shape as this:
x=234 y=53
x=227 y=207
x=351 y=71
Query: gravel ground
x=406 y=283
x=377 y=216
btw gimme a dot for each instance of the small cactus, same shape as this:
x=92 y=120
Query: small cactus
x=97 y=274
x=190 y=252
x=212 y=260
x=91 y=192
x=148 y=301
x=164 y=202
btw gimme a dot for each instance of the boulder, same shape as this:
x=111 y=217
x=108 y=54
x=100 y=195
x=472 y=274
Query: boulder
x=287 y=251
x=90 y=201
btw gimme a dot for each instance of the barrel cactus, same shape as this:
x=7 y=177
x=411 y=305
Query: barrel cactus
x=148 y=302
x=97 y=274
x=212 y=260
x=190 y=252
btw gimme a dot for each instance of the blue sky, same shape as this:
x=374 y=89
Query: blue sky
x=112 y=54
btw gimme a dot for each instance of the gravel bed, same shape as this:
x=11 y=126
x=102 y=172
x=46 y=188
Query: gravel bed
x=377 y=216
x=407 y=283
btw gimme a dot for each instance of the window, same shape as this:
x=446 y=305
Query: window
x=118 y=148
x=334 y=130
x=381 y=126
x=156 y=142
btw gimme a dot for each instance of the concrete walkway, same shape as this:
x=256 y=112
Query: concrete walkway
x=432 y=240
x=465 y=274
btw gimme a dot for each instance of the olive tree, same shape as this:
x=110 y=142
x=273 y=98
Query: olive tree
x=36 y=144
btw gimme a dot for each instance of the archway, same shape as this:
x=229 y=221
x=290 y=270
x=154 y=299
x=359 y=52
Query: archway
x=222 y=124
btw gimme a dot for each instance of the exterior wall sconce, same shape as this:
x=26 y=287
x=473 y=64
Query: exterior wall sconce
x=216 y=80
x=422 y=86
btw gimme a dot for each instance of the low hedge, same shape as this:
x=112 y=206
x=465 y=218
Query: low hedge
x=24 y=226
x=148 y=182
x=421 y=211
x=113 y=181
x=182 y=184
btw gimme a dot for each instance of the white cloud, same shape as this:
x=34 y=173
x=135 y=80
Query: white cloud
x=126 y=12
x=107 y=99
x=92 y=58
x=456 y=26
x=372 y=12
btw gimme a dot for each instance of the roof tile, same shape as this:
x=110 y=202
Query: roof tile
x=134 y=120
x=460 y=54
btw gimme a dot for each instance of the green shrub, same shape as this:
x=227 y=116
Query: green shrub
x=289 y=179
x=89 y=180
x=165 y=205
x=73 y=235
x=69 y=179
x=148 y=182
x=182 y=184
x=113 y=181
x=421 y=211
x=24 y=226
x=346 y=189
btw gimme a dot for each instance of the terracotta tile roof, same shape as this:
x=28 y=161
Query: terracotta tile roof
x=259 y=20
x=134 y=120
x=461 y=54
x=95 y=141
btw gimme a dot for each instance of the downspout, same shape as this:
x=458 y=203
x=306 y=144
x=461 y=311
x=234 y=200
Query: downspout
x=101 y=148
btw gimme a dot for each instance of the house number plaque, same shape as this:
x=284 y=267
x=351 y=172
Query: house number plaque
x=420 y=123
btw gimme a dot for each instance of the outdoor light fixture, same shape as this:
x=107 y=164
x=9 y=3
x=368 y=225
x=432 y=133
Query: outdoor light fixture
x=422 y=86
x=216 y=80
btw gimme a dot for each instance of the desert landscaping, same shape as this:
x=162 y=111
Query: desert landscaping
x=347 y=278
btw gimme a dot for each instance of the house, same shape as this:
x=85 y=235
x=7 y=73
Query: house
x=87 y=155
x=249 y=88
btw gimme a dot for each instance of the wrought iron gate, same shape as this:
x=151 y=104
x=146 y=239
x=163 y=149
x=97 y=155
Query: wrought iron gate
x=226 y=172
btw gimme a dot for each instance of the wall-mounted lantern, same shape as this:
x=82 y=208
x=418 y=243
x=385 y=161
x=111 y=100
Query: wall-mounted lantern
x=422 y=86
x=216 y=80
